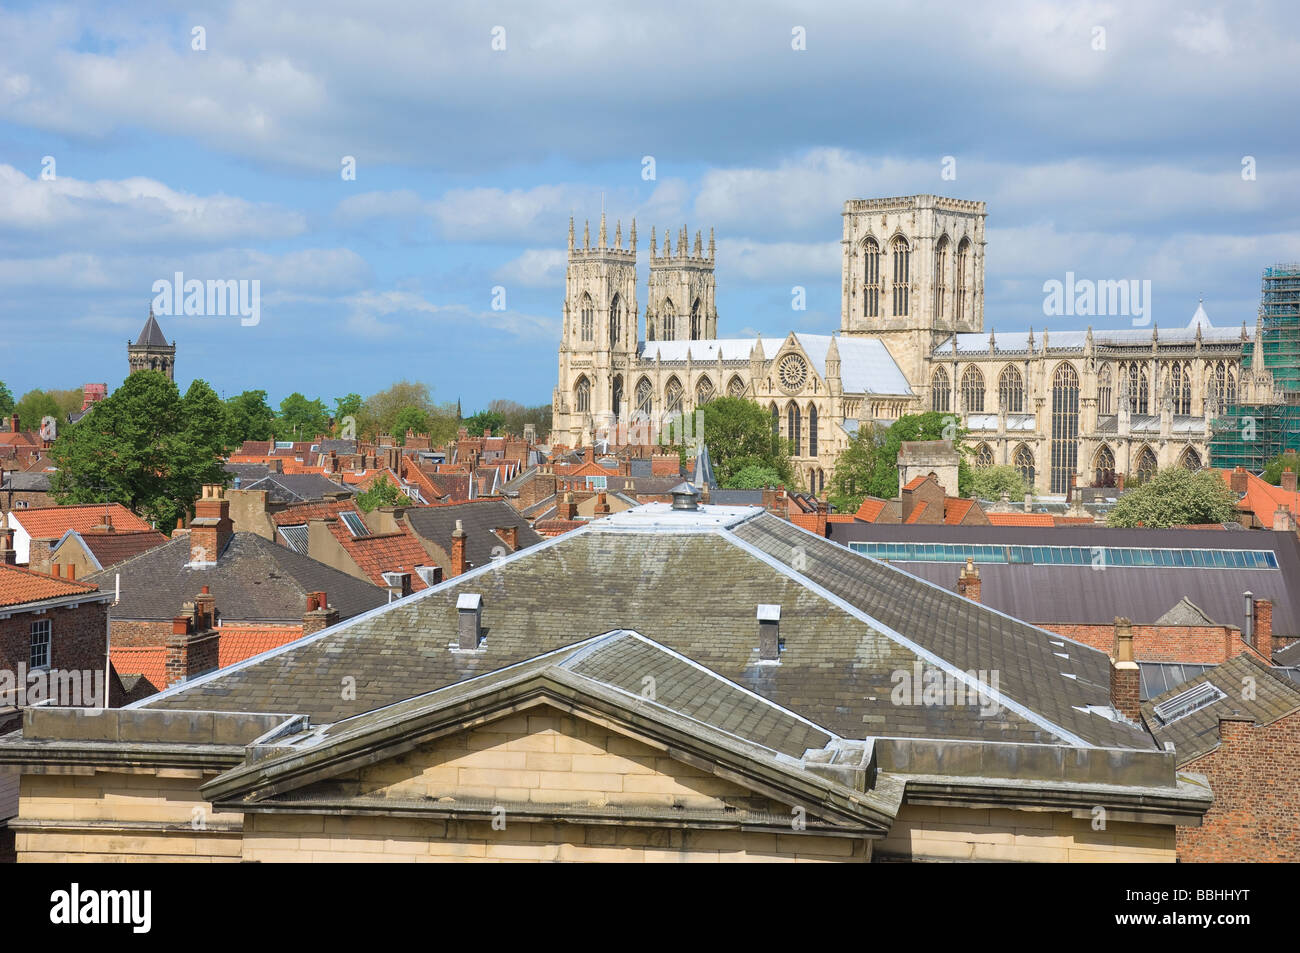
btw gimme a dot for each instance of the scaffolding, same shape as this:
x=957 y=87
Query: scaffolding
x=1250 y=435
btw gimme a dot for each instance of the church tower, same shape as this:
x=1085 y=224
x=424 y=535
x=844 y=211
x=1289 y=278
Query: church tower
x=680 y=304
x=151 y=352
x=598 y=346
x=913 y=275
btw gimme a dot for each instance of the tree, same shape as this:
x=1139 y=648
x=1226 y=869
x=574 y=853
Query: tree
x=379 y=411
x=144 y=447
x=989 y=483
x=34 y=407
x=1273 y=470
x=483 y=421
x=382 y=492
x=414 y=419
x=345 y=407
x=248 y=417
x=6 y=400
x=301 y=419
x=739 y=436
x=1176 y=497
x=754 y=477
x=68 y=401
x=516 y=416
x=869 y=466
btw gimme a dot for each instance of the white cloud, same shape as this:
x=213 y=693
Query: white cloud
x=535 y=268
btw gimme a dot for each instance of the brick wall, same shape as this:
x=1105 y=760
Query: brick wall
x=136 y=633
x=1255 y=776
x=1193 y=644
x=76 y=638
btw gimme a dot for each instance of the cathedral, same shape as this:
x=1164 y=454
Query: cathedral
x=1065 y=408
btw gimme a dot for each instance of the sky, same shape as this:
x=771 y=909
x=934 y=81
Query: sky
x=1153 y=141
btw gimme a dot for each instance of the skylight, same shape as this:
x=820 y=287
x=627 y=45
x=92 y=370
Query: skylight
x=1184 y=703
x=355 y=524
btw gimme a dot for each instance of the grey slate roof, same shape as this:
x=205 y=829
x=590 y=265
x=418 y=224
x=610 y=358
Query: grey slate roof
x=479 y=518
x=254 y=580
x=151 y=335
x=296 y=487
x=695 y=589
x=33 y=481
x=1274 y=695
x=1186 y=612
x=1160 y=677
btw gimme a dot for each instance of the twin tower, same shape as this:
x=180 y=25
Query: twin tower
x=600 y=306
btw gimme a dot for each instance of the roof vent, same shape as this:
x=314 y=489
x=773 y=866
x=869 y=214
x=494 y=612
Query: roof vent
x=684 y=497
x=769 y=637
x=469 y=610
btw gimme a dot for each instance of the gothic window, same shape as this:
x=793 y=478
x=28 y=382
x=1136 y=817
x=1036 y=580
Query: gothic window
x=1011 y=391
x=583 y=395
x=1139 y=388
x=1146 y=466
x=812 y=430
x=1191 y=459
x=1065 y=427
x=644 y=397
x=588 y=312
x=1023 y=461
x=972 y=390
x=963 y=283
x=673 y=396
x=617 y=395
x=940 y=396
x=697 y=331
x=983 y=456
x=776 y=422
x=736 y=387
x=1180 y=387
x=703 y=391
x=794 y=432
x=1218 y=382
x=940 y=276
x=902 y=255
x=1230 y=393
x=1105 y=467
x=871 y=279
x=616 y=320
x=1103 y=392
x=669 y=320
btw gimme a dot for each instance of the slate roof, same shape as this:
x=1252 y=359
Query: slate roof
x=19 y=586
x=296 y=487
x=479 y=518
x=1193 y=735
x=688 y=582
x=32 y=481
x=151 y=335
x=254 y=580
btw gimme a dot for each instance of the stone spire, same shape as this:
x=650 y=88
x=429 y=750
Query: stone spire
x=570 y=233
x=586 y=234
x=683 y=239
x=699 y=251
x=712 y=246
x=618 y=234
x=633 y=237
x=602 y=225
x=653 y=243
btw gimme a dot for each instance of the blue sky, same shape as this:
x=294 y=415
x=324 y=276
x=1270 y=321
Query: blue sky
x=1116 y=162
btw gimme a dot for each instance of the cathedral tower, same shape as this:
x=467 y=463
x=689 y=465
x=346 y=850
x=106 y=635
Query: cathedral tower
x=680 y=304
x=913 y=274
x=151 y=352
x=598 y=346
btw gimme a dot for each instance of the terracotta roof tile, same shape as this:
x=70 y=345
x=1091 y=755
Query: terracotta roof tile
x=389 y=552
x=917 y=510
x=955 y=509
x=51 y=522
x=1021 y=519
x=870 y=509
x=913 y=483
x=239 y=642
x=147 y=661
x=19 y=586
x=806 y=521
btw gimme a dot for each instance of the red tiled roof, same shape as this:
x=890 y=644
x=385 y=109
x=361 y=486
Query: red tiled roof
x=1021 y=519
x=870 y=509
x=51 y=522
x=806 y=521
x=19 y=586
x=147 y=661
x=841 y=518
x=955 y=509
x=239 y=642
x=389 y=552
x=913 y=483
x=1263 y=498
x=296 y=513
x=917 y=510
x=556 y=527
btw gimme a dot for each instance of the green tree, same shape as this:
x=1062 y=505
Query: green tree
x=1176 y=497
x=6 y=400
x=144 y=447
x=414 y=419
x=382 y=492
x=739 y=436
x=345 y=407
x=485 y=420
x=989 y=483
x=1273 y=470
x=869 y=466
x=516 y=416
x=68 y=401
x=301 y=419
x=755 y=476
x=34 y=407
x=248 y=417
x=379 y=411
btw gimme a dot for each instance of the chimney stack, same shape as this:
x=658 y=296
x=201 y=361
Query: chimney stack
x=319 y=615
x=1125 y=677
x=769 y=632
x=190 y=652
x=1238 y=480
x=211 y=528
x=1288 y=481
x=1263 y=628
x=469 y=612
x=568 y=509
x=458 y=561
x=510 y=536
x=968 y=582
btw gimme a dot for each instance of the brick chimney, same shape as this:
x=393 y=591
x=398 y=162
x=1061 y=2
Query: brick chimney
x=1263 y=628
x=13 y=424
x=319 y=615
x=106 y=526
x=602 y=504
x=1283 y=519
x=8 y=555
x=211 y=527
x=1125 y=677
x=821 y=513
x=568 y=509
x=1288 y=481
x=205 y=609
x=968 y=581
x=458 y=562
x=191 y=651
x=509 y=535
x=1238 y=480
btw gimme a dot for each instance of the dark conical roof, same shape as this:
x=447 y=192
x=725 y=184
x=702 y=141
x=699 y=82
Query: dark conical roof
x=151 y=335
